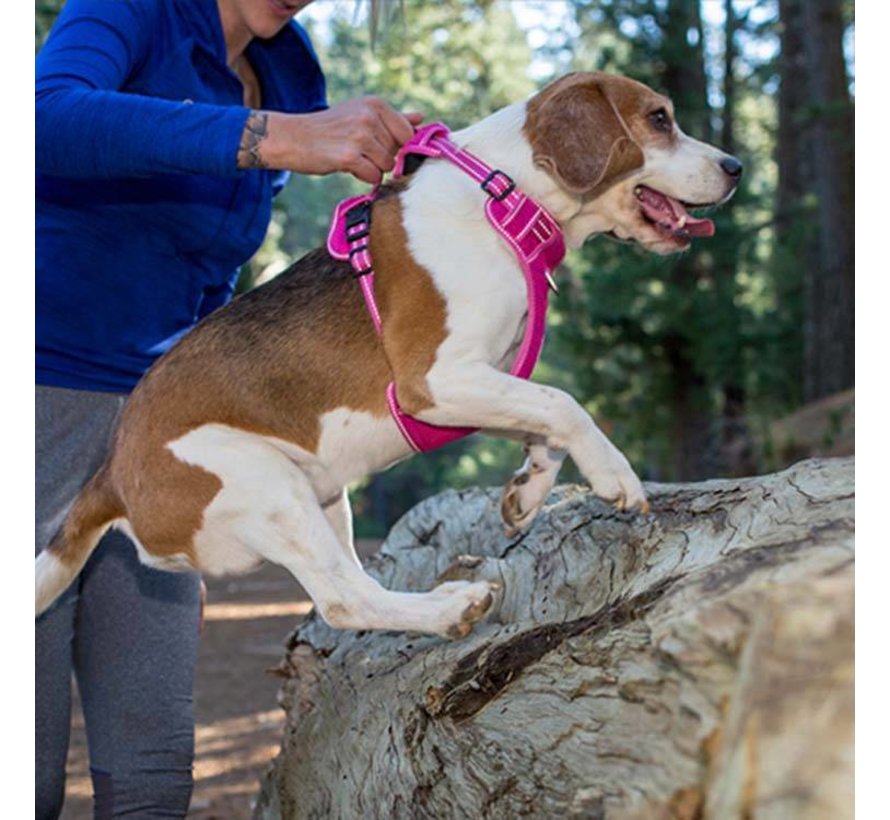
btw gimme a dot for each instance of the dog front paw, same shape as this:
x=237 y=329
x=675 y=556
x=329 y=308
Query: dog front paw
x=616 y=482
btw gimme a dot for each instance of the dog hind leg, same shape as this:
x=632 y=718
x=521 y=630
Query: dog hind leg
x=346 y=597
x=267 y=508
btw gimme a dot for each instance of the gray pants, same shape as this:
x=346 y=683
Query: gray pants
x=128 y=633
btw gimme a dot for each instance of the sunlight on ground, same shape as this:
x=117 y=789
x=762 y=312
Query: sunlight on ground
x=240 y=612
x=229 y=756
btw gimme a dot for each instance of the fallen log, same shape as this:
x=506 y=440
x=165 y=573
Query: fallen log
x=697 y=662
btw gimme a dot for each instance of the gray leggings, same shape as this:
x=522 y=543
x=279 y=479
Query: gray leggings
x=129 y=634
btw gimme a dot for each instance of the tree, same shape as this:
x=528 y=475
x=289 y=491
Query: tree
x=813 y=257
x=795 y=249
x=829 y=285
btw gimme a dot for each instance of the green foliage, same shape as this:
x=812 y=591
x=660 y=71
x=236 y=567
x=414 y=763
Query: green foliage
x=45 y=13
x=453 y=60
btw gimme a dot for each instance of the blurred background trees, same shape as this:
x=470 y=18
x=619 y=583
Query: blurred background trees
x=696 y=365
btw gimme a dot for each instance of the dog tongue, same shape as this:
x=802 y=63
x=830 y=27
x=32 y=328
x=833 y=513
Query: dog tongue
x=669 y=214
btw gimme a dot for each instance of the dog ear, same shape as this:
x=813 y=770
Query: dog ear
x=578 y=137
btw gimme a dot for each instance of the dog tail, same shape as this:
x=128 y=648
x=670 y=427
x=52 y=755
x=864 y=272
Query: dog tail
x=93 y=511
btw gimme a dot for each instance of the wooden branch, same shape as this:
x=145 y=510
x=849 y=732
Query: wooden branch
x=696 y=663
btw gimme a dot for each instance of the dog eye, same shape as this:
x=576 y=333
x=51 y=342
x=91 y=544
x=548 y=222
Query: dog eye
x=660 y=120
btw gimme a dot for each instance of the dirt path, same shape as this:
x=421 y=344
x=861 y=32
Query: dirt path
x=238 y=721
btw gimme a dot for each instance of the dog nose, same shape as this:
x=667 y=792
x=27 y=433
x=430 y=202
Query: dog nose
x=732 y=167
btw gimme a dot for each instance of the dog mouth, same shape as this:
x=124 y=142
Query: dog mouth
x=670 y=217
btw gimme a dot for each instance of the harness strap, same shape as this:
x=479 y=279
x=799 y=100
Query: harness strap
x=529 y=230
x=358 y=234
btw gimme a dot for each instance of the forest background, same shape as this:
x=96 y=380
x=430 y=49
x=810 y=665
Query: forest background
x=692 y=364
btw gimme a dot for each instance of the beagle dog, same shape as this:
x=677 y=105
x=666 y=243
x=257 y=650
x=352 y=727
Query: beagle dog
x=238 y=445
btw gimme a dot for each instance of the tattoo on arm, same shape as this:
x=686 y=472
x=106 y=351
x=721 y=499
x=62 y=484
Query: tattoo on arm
x=255 y=131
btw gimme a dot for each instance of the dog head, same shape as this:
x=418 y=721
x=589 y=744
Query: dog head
x=613 y=145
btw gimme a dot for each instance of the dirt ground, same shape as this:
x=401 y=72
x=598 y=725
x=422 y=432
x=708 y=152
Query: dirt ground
x=238 y=720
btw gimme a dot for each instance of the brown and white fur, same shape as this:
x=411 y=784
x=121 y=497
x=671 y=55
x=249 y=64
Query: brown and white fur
x=238 y=445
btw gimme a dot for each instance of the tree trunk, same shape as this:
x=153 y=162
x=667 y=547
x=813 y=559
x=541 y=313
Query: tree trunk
x=795 y=251
x=694 y=663
x=736 y=442
x=683 y=74
x=695 y=440
x=829 y=286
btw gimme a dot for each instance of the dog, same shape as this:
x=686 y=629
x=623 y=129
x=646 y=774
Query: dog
x=239 y=443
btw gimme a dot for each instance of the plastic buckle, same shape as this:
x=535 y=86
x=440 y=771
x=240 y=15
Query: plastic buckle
x=491 y=179
x=357 y=215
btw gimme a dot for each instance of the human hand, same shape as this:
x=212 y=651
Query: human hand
x=360 y=137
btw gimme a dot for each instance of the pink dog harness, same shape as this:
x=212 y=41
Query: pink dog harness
x=530 y=231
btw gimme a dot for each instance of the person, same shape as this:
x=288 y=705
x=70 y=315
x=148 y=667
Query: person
x=163 y=130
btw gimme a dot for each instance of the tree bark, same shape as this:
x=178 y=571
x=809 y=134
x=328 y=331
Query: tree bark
x=696 y=663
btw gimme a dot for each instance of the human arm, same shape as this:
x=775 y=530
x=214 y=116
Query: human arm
x=87 y=128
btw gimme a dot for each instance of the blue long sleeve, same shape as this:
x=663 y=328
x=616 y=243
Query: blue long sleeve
x=86 y=127
x=142 y=217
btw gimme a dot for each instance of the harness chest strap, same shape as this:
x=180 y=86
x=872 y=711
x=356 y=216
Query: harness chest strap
x=528 y=229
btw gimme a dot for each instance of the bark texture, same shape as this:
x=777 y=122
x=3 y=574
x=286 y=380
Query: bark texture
x=694 y=663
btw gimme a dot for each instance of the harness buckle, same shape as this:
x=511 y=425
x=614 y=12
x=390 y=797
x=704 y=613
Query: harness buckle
x=357 y=215
x=358 y=227
x=488 y=183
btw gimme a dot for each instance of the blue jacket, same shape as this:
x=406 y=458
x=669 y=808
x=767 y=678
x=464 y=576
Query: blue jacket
x=143 y=219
